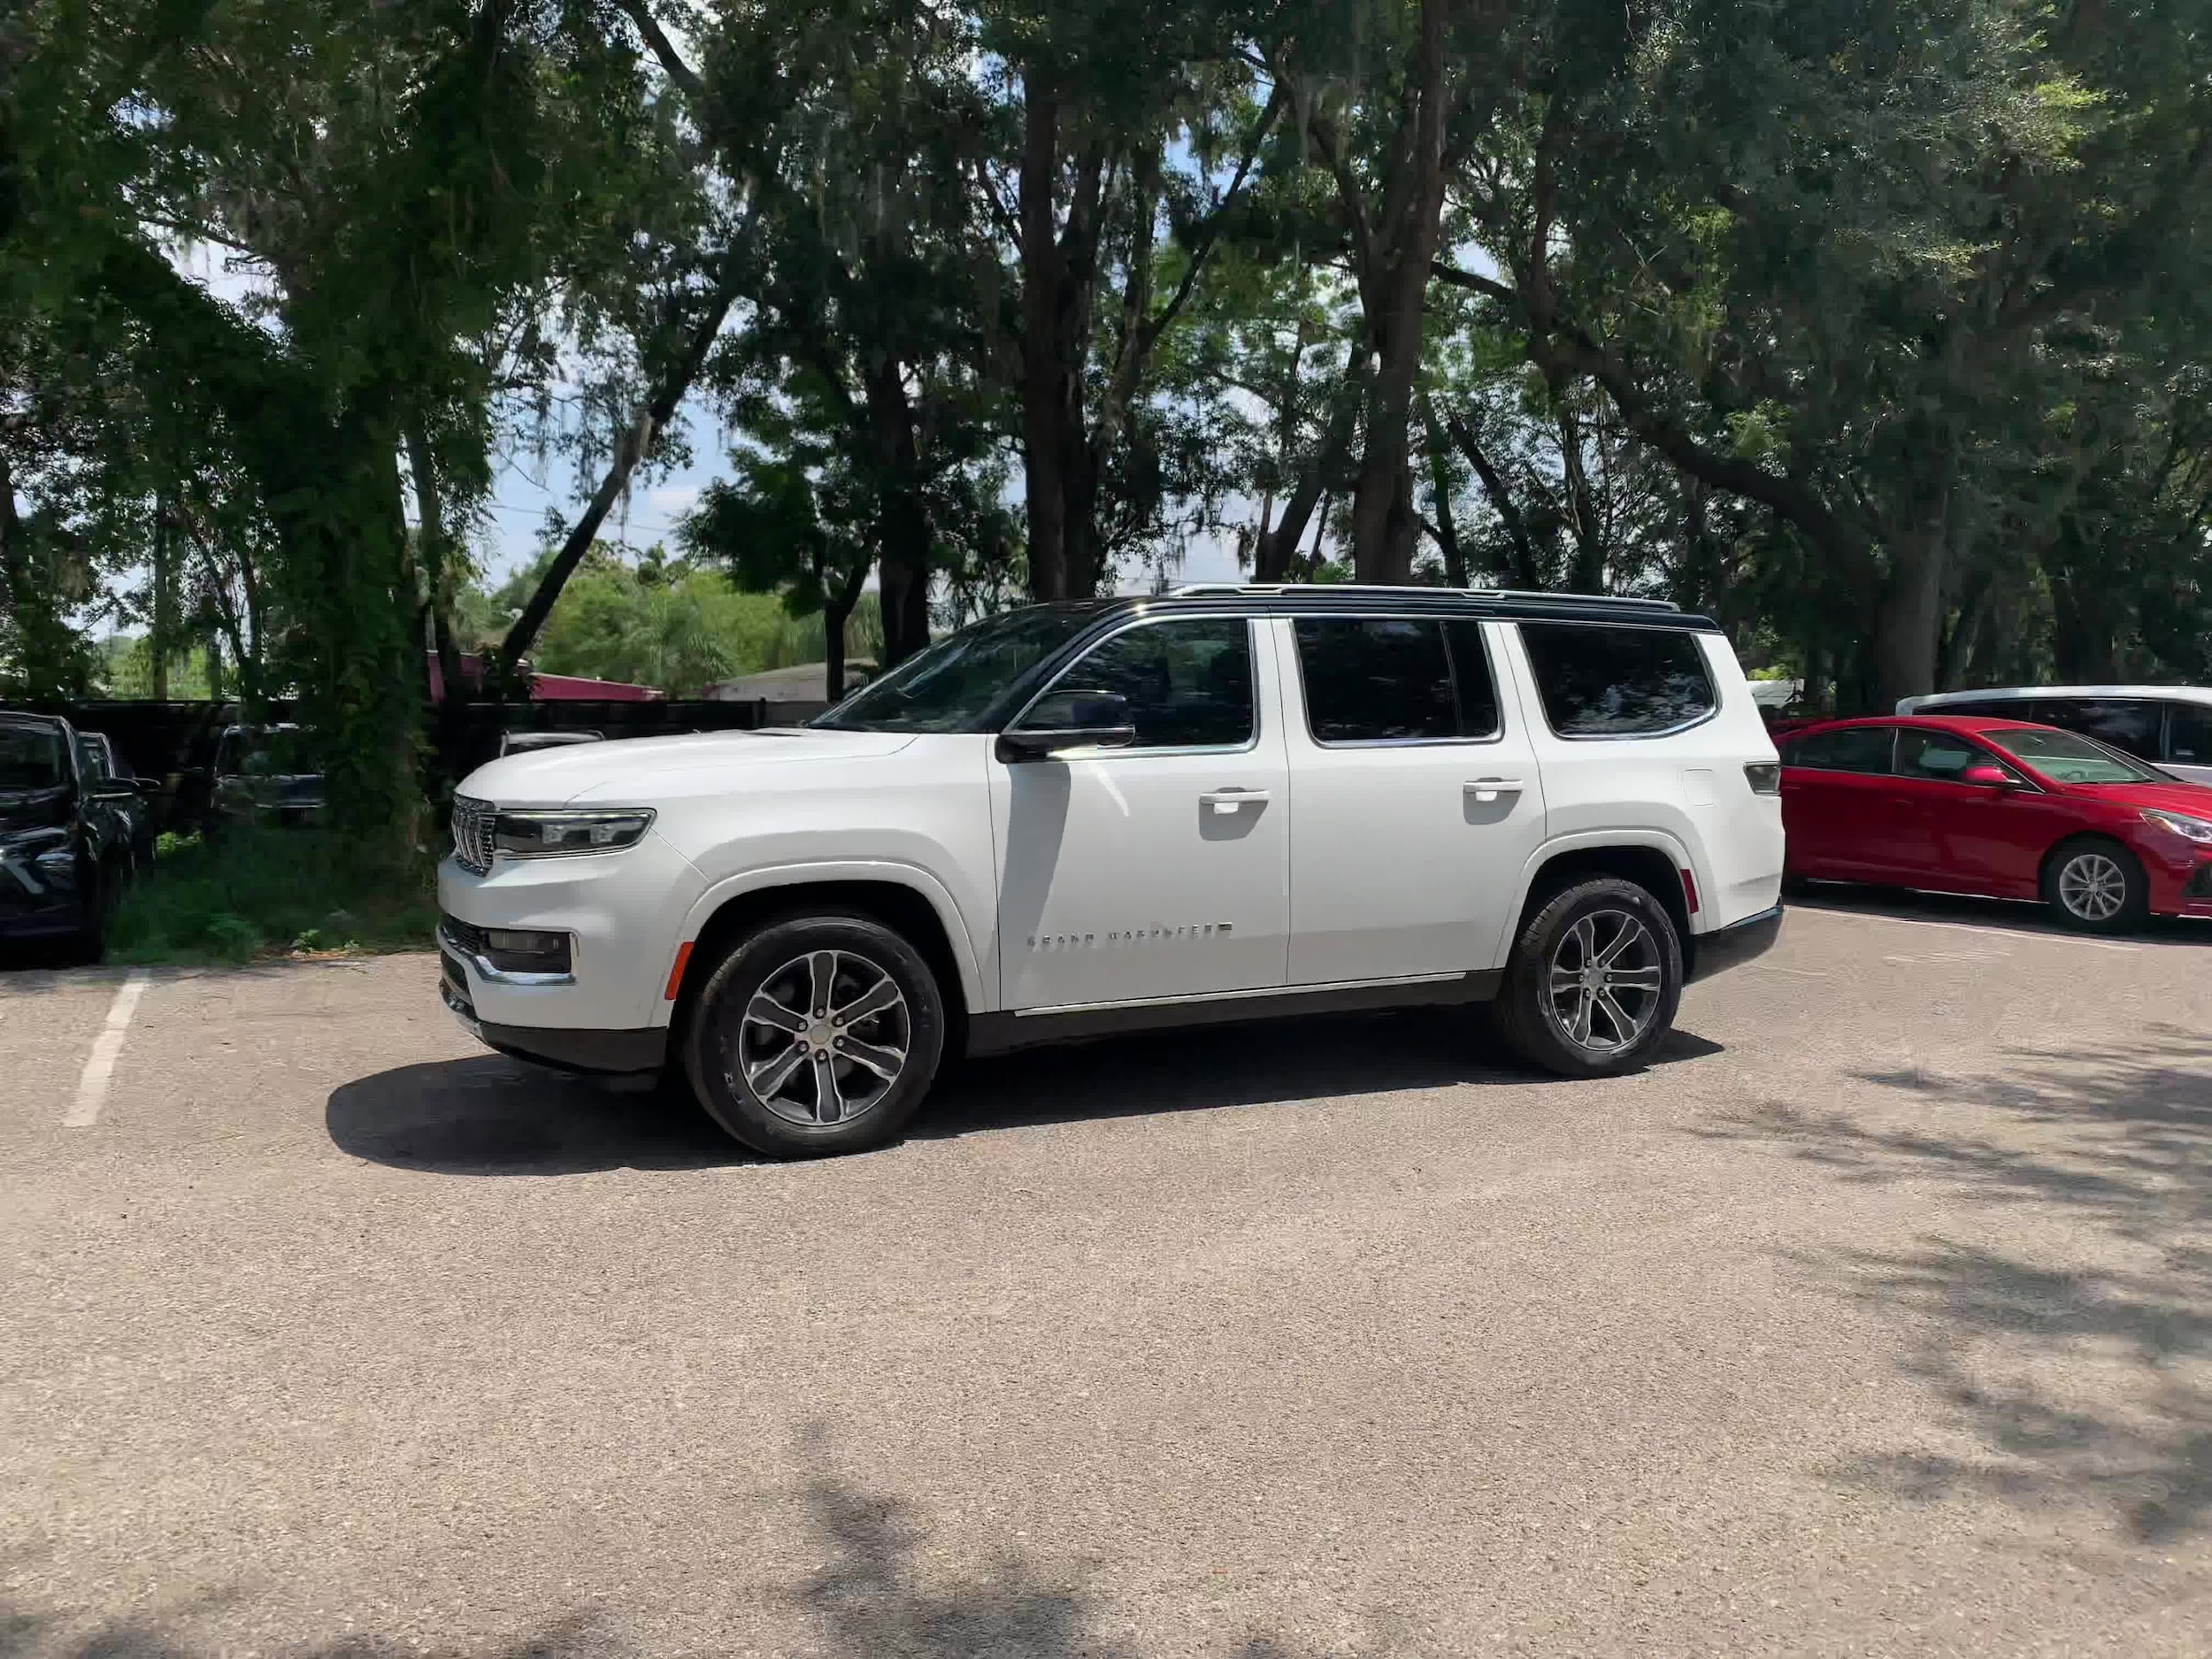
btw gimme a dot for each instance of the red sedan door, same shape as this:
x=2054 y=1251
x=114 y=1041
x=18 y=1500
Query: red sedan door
x=1840 y=809
x=1978 y=838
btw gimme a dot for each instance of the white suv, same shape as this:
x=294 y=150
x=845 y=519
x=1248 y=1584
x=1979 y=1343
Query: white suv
x=1071 y=819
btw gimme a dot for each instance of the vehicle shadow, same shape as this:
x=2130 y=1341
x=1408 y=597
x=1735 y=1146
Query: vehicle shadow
x=489 y=1115
x=1913 y=904
x=2083 y=1368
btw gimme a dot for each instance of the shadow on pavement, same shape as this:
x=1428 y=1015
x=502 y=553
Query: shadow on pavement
x=884 y=1589
x=2086 y=1376
x=493 y=1116
x=2013 y=915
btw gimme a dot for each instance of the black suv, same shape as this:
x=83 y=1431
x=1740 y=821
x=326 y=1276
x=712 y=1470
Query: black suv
x=64 y=850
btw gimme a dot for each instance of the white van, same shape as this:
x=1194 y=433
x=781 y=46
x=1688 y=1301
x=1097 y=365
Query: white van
x=2168 y=726
x=1228 y=803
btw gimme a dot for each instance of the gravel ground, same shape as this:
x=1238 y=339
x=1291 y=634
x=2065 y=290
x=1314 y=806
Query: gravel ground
x=1876 y=1320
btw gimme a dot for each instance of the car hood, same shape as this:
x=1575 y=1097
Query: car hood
x=33 y=809
x=641 y=768
x=2192 y=800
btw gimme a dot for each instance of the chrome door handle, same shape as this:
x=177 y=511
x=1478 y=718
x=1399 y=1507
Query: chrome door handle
x=1227 y=801
x=1486 y=789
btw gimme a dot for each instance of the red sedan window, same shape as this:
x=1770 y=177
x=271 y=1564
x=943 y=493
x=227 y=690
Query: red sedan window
x=2067 y=758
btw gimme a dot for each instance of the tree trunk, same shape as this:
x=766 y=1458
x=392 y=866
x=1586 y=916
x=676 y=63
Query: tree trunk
x=437 y=561
x=837 y=606
x=1051 y=393
x=1528 y=572
x=161 y=636
x=1589 y=568
x=634 y=446
x=1394 y=295
x=904 y=530
x=1911 y=619
x=1440 y=489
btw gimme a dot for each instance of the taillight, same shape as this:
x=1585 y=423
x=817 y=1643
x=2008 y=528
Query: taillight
x=1763 y=776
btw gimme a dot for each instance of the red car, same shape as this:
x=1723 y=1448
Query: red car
x=2000 y=808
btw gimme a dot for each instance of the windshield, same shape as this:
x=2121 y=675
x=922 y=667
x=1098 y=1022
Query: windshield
x=2068 y=757
x=31 y=757
x=947 y=687
x=278 y=751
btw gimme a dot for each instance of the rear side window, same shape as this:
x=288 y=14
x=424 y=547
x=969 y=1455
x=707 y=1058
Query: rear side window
x=1863 y=749
x=1379 y=680
x=2128 y=724
x=1600 y=682
x=2189 y=733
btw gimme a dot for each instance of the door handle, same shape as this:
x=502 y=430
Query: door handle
x=1225 y=802
x=1483 y=790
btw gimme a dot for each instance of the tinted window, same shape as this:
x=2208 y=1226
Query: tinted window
x=92 y=760
x=2128 y=724
x=1470 y=673
x=2189 y=733
x=1864 y=748
x=2066 y=757
x=1936 y=755
x=1599 y=682
x=31 y=757
x=1189 y=684
x=1374 y=678
x=947 y=687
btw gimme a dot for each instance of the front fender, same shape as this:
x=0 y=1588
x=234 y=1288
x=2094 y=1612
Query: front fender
x=895 y=872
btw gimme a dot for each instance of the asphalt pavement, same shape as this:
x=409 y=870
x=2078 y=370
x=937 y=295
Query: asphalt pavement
x=1876 y=1320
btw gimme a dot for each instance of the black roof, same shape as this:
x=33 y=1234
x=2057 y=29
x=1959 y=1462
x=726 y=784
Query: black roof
x=1338 y=599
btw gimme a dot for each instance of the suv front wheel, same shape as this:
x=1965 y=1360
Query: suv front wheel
x=815 y=1035
x=1593 y=981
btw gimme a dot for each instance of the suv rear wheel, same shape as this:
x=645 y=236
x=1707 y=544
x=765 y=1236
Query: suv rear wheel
x=1593 y=981
x=815 y=1035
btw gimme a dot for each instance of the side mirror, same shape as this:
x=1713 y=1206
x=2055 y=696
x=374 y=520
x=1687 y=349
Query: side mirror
x=1988 y=776
x=1069 y=719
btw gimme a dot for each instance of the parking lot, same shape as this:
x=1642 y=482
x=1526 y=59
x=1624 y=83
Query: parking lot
x=1877 y=1319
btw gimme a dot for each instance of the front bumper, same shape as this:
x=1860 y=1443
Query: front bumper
x=1732 y=946
x=571 y=1050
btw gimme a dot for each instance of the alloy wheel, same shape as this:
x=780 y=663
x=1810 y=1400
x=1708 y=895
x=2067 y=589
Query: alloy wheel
x=1605 y=981
x=2092 y=887
x=824 y=1038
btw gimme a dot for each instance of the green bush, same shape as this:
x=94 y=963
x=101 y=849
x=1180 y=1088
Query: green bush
x=259 y=891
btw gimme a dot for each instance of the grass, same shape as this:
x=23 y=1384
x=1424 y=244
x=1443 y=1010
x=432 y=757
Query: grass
x=253 y=893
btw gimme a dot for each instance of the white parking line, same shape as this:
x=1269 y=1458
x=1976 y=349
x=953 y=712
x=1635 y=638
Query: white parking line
x=99 y=1066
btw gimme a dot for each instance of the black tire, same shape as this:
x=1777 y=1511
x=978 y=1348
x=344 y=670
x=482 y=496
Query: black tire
x=89 y=943
x=1529 y=1017
x=2078 y=886
x=728 y=1057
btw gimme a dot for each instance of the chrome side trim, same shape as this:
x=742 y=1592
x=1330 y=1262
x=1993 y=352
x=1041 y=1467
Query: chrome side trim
x=1322 y=989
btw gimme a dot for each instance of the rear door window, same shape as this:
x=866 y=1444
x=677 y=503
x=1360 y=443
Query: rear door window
x=2128 y=724
x=1862 y=748
x=2189 y=733
x=1602 y=682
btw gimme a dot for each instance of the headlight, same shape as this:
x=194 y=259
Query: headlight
x=542 y=834
x=2195 y=829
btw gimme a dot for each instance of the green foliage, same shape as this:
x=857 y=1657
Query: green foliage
x=255 y=891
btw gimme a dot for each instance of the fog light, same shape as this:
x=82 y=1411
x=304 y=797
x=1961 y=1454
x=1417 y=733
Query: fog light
x=519 y=951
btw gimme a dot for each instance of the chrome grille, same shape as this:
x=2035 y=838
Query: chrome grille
x=472 y=824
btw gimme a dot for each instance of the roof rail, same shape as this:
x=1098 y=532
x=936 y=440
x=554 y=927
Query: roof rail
x=1201 y=589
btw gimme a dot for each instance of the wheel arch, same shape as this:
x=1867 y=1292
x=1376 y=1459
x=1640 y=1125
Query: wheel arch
x=1653 y=861
x=900 y=896
x=2048 y=865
